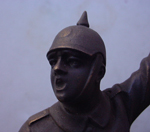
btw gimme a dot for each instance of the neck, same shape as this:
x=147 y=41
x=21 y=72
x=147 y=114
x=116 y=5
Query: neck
x=83 y=106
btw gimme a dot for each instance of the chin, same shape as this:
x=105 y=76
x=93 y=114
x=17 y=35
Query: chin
x=64 y=99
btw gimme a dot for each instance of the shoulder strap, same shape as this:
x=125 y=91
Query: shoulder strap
x=38 y=116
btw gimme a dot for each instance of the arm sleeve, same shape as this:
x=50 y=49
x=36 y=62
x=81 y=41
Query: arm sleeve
x=137 y=90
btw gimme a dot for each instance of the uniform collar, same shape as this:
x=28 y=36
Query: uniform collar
x=69 y=122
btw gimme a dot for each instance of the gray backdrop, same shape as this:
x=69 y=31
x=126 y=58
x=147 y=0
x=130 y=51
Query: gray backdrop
x=27 y=29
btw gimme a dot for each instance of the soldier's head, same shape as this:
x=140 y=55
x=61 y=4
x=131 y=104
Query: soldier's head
x=78 y=59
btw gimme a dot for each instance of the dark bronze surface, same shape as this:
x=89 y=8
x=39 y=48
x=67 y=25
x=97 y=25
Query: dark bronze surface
x=78 y=59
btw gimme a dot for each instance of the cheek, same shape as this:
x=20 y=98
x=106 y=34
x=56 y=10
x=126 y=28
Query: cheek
x=78 y=77
x=52 y=77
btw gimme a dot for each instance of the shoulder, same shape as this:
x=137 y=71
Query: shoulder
x=112 y=92
x=38 y=116
x=34 y=119
x=41 y=121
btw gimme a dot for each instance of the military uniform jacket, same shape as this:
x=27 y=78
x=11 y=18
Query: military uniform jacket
x=121 y=105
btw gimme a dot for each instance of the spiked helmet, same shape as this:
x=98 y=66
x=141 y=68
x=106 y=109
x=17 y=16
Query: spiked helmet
x=80 y=38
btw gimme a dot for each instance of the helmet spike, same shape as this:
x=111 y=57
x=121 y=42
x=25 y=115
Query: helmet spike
x=83 y=20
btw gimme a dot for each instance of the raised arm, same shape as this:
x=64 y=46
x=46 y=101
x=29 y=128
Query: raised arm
x=137 y=90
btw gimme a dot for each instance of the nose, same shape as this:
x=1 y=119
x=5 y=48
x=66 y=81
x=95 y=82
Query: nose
x=59 y=68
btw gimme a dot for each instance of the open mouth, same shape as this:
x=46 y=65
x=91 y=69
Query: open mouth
x=60 y=83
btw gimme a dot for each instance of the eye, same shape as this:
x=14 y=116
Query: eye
x=52 y=62
x=73 y=62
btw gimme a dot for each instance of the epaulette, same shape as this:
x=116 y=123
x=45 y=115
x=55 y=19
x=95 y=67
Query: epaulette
x=38 y=116
x=111 y=92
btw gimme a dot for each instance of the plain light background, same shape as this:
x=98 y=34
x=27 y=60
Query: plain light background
x=27 y=29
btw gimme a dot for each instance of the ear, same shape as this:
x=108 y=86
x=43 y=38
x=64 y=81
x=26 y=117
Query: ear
x=101 y=73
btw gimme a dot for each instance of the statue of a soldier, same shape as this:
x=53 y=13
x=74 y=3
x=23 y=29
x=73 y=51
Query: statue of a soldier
x=78 y=59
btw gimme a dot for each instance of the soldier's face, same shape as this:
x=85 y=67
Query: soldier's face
x=69 y=72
